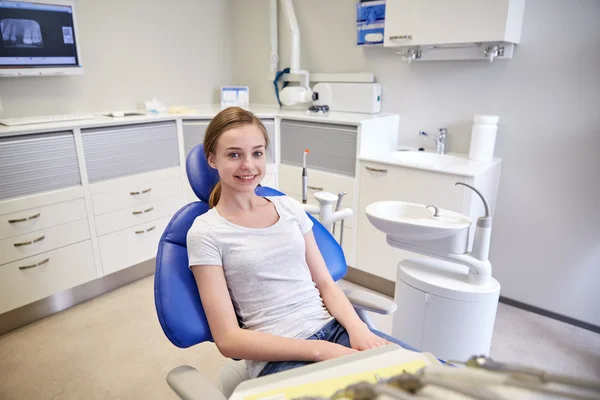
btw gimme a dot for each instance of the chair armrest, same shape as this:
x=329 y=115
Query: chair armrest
x=190 y=384
x=370 y=302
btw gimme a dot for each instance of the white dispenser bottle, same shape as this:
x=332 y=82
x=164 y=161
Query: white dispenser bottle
x=483 y=137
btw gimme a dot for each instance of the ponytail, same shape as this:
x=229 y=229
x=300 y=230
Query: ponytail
x=215 y=195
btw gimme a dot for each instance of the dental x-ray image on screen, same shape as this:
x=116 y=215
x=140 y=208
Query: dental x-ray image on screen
x=37 y=35
x=21 y=33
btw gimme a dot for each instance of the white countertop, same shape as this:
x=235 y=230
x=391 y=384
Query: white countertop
x=200 y=112
x=464 y=166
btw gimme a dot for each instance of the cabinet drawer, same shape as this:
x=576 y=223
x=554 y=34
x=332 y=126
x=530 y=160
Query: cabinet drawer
x=135 y=195
x=290 y=183
x=33 y=219
x=34 y=278
x=332 y=147
x=37 y=163
x=30 y=244
x=112 y=152
x=130 y=246
x=128 y=217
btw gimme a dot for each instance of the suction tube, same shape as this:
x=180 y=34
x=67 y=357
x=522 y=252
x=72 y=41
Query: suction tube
x=483 y=231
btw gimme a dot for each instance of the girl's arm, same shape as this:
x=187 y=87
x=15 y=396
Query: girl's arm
x=361 y=338
x=235 y=342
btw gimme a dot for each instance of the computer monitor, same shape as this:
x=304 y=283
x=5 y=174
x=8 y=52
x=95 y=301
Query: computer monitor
x=38 y=38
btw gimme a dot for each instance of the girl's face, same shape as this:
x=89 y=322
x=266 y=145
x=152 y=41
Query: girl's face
x=240 y=158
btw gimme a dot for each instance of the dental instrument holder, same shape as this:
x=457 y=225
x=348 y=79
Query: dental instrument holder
x=327 y=216
x=337 y=208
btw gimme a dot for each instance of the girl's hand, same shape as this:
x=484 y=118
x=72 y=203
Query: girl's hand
x=324 y=350
x=365 y=340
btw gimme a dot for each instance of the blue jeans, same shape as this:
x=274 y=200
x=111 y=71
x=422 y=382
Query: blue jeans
x=332 y=332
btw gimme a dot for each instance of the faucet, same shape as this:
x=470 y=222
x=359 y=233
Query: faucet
x=440 y=141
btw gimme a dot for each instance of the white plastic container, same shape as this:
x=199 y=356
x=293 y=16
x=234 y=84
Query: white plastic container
x=440 y=311
x=483 y=137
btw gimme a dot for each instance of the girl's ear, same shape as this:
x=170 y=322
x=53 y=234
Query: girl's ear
x=211 y=160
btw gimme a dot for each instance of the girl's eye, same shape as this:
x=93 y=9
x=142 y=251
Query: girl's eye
x=258 y=154
x=234 y=155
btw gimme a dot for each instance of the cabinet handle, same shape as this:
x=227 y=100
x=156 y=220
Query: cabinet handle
x=319 y=189
x=147 y=230
x=14 y=221
x=401 y=37
x=143 y=191
x=47 y=260
x=142 y=212
x=376 y=169
x=30 y=242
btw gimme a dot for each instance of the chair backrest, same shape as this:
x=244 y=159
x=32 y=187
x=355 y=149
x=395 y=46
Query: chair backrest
x=176 y=296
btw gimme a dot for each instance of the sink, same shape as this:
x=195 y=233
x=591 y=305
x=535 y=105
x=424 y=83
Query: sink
x=429 y=158
x=414 y=224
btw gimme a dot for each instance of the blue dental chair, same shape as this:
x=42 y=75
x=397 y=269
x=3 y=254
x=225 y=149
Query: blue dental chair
x=176 y=296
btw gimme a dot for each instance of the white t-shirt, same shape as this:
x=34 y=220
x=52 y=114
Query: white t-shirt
x=269 y=282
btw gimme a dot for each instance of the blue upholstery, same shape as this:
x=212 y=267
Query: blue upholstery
x=176 y=296
x=202 y=177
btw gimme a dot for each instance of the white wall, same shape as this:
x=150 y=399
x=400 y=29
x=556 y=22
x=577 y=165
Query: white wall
x=178 y=50
x=546 y=239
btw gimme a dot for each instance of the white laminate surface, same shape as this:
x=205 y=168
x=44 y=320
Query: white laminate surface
x=468 y=168
x=206 y=111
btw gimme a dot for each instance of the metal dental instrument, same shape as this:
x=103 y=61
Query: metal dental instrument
x=337 y=208
x=304 y=178
x=542 y=376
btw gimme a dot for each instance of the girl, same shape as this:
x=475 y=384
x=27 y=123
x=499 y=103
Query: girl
x=263 y=283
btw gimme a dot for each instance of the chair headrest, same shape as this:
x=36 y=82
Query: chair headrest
x=202 y=177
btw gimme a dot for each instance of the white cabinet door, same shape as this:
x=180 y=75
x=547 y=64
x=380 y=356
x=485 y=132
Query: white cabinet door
x=379 y=182
x=130 y=246
x=427 y=22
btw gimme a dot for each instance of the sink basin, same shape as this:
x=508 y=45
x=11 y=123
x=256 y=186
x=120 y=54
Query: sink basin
x=428 y=158
x=415 y=225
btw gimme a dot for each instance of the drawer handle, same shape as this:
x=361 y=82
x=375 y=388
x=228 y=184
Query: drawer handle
x=376 y=169
x=319 y=189
x=14 y=221
x=142 y=212
x=143 y=191
x=147 y=230
x=47 y=260
x=398 y=37
x=30 y=242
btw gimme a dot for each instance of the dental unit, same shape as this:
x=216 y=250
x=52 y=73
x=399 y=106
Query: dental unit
x=325 y=211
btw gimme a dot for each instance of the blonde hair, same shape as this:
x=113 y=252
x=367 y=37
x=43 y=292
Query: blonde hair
x=229 y=118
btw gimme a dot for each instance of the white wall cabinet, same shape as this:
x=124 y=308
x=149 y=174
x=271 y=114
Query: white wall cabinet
x=381 y=182
x=442 y=22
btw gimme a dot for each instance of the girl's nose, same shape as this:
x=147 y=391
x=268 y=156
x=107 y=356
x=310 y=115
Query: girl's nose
x=247 y=163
